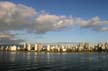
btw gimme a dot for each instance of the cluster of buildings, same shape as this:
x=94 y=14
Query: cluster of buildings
x=38 y=47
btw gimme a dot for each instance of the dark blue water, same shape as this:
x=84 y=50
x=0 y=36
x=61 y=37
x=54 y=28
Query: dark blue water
x=32 y=61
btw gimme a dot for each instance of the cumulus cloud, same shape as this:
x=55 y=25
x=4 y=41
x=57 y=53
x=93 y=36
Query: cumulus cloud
x=47 y=22
x=95 y=24
x=21 y=17
x=15 y=17
x=6 y=38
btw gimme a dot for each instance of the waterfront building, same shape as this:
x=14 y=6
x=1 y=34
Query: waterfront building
x=103 y=46
x=68 y=48
x=36 y=47
x=48 y=48
x=52 y=48
x=25 y=47
x=56 y=47
x=64 y=48
x=18 y=48
x=86 y=47
x=6 y=48
x=28 y=46
x=98 y=47
x=2 y=48
x=13 y=48
x=106 y=46
x=91 y=48
x=81 y=47
x=74 y=48
x=39 y=47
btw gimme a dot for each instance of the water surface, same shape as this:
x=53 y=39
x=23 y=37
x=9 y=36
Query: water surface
x=33 y=61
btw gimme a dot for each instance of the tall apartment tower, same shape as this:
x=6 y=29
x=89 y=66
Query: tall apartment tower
x=40 y=46
x=24 y=45
x=81 y=46
x=63 y=48
x=48 y=47
x=36 y=47
x=28 y=46
x=13 y=48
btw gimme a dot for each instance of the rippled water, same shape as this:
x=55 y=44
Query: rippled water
x=32 y=61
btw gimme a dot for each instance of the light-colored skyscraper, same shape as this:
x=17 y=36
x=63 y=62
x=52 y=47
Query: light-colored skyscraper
x=13 y=48
x=36 y=47
x=28 y=46
x=24 y=45
x=81 y=46
x=48 y=48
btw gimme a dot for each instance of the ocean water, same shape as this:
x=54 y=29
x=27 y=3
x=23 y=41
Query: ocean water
x=33 y=61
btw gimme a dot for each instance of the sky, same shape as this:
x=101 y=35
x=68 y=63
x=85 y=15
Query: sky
x=48 y=21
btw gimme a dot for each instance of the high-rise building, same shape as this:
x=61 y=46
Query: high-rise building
x=81 y=46
x=13 y=48
x=24 y=46
x=28 y=46
x=48 y=48
x=36 y=47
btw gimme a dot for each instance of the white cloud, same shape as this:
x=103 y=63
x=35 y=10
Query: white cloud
x=15 y=16
x=47 y=22
x=95 y=24
x=18 y=17
x=6 y=38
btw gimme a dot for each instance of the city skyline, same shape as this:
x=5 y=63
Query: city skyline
x=48 y=21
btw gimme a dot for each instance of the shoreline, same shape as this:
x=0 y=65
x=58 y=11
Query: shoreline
x=59 y=52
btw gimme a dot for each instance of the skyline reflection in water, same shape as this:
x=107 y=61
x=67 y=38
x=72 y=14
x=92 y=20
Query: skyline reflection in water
x=53 y=61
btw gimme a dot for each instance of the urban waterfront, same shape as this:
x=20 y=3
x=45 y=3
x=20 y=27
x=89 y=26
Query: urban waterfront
x=53 y=35
x=56 y=47
x=33 y=61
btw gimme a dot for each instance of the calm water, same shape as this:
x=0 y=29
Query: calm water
x=32 y=61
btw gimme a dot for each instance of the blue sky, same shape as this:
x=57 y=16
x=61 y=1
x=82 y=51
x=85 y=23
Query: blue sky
x=77 y=8
x=84 y=9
